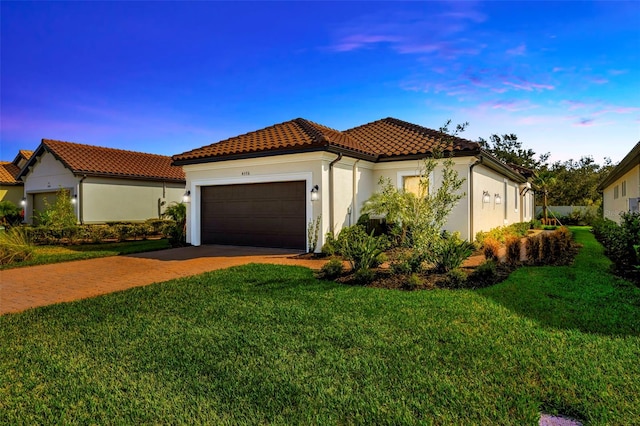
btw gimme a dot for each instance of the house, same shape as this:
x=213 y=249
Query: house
x=262 y=188
x=105 y=184
x=621 y=187
x=11 y=189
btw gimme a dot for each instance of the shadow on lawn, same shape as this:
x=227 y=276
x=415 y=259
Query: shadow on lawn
x=568 y=299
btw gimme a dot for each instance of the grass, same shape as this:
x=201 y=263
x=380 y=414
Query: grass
x=271 y=344
x=53 y=254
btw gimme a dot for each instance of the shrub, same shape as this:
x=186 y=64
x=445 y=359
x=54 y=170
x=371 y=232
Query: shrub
x=485 y=274
x=620 y=241
x=533 y=249
x=59 y=215
x=364 y=276
x=451 y=251
x=491 y=248
x=313 y=232
x=456 y=278
x=15 y=246
x=330 y=247
x=177 y=233
x=359 y=248
x=546 y=251
x=513 y=246
x=10 y=214
x=332 y=269
x=413 y=282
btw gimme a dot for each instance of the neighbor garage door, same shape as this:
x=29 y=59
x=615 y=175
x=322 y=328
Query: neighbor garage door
x=262 y=214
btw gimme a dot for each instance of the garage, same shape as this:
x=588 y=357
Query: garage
x=261 y=214
x=42 y=200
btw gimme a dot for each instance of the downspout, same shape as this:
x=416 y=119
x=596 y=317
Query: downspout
x=81 y=200
x=338 y=158
x=352 y=216
x=471 y=208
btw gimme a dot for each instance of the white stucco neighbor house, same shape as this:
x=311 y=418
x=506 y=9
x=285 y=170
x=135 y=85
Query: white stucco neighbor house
x=621 y=187
x=105 y=184
x=262 y=188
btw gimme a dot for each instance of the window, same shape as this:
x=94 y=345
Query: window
x=624 y=188
x=516 y=196
x=411 y=184
x=616 y=192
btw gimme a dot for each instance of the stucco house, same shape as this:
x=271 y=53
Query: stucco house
x=11 y=188
x=621 y=187
x=262 y=188
x=105 y=184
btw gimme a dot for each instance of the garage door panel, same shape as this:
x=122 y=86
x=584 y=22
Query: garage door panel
x=265 y=214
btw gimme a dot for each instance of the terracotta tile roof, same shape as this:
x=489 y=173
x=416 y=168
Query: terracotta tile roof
x=25 y=153
x=109 y=162
x=388 y=137
x=391 y=137
x=9 y=173
x=297 y=134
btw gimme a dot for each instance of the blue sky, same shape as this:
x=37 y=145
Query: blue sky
x=169 y=77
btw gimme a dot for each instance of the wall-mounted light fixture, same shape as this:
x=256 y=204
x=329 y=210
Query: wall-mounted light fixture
x=314 y=193
x=23 y=202
x=486 y=197
x=187 y=196
x=74 y=199
x=498 y=199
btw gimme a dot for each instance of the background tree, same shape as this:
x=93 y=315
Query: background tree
x=576 y=182
x=509 y=149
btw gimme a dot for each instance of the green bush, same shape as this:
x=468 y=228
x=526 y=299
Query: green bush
x=330 y=247
x=456 y=278
x=619 y=242
x=360 y=249
x=485 y=274
x=364 y=276
x=15 y=246
x=413 y=282
x=10 y=214
x=332 y=269
x=451 y=251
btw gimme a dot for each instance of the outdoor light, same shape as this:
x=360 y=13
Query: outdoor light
x=498 y=199
x=74 y=199
x=23 y=202
x=187 y=196
x=314 y=193
x=486 y=197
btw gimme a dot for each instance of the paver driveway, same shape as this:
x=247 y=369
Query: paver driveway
x=24 y=288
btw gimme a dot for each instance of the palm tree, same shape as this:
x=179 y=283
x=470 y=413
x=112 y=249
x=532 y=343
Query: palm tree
x=543 y=181
x=177 y=212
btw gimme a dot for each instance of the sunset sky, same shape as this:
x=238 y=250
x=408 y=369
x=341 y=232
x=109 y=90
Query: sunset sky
x=166 y=77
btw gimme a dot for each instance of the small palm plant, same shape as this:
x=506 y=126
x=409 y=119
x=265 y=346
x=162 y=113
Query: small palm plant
x=177 y=232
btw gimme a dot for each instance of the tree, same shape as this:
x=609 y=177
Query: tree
x=509 y=149
x=420 y=216
x=178 y=231
x=543 y=181
x=576 y=182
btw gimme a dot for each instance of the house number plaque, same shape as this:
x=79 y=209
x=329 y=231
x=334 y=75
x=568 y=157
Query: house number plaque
x=245 y=173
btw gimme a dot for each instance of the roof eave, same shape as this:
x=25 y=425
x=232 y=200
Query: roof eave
x=631 y=160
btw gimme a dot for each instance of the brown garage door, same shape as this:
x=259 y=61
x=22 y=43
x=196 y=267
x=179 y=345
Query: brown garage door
x=262 y=214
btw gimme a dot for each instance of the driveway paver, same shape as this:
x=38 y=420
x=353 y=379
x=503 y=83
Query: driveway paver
x=30 y=287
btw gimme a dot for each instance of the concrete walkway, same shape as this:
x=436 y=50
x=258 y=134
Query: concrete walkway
x=30 y=287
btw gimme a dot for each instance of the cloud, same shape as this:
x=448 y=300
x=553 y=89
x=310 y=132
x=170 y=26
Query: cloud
x=518 y=51
x=528 y=86
x=598 y=108
x=618 y=72
x=511 y=105
x=599 y=80
x=584 y=122
x=358 y=41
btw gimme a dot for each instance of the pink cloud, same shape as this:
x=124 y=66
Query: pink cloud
x=358 y=41
x=510 y=105
x=528 y=86
x=518 y=51
x=584 y=122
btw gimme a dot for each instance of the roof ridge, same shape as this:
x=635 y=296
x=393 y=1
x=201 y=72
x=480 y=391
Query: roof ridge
x=46 y=142
x=311 y=129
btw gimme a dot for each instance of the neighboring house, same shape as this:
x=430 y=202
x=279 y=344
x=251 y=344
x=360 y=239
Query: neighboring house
x=11 y=189
x=621 y=187
x=105 y=184
x=263 y=188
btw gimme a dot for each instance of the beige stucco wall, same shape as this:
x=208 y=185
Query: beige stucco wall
x=101 y=199
x=13 y=193
x=109 y=200
x=458 y=220
x=614 y=207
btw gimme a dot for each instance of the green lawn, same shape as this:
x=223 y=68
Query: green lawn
x=55 y=254
x=271 y=344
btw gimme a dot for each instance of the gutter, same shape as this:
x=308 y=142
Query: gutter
x=81 y=200
x=354 y=190
x=331 y=201
x=471 y=209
